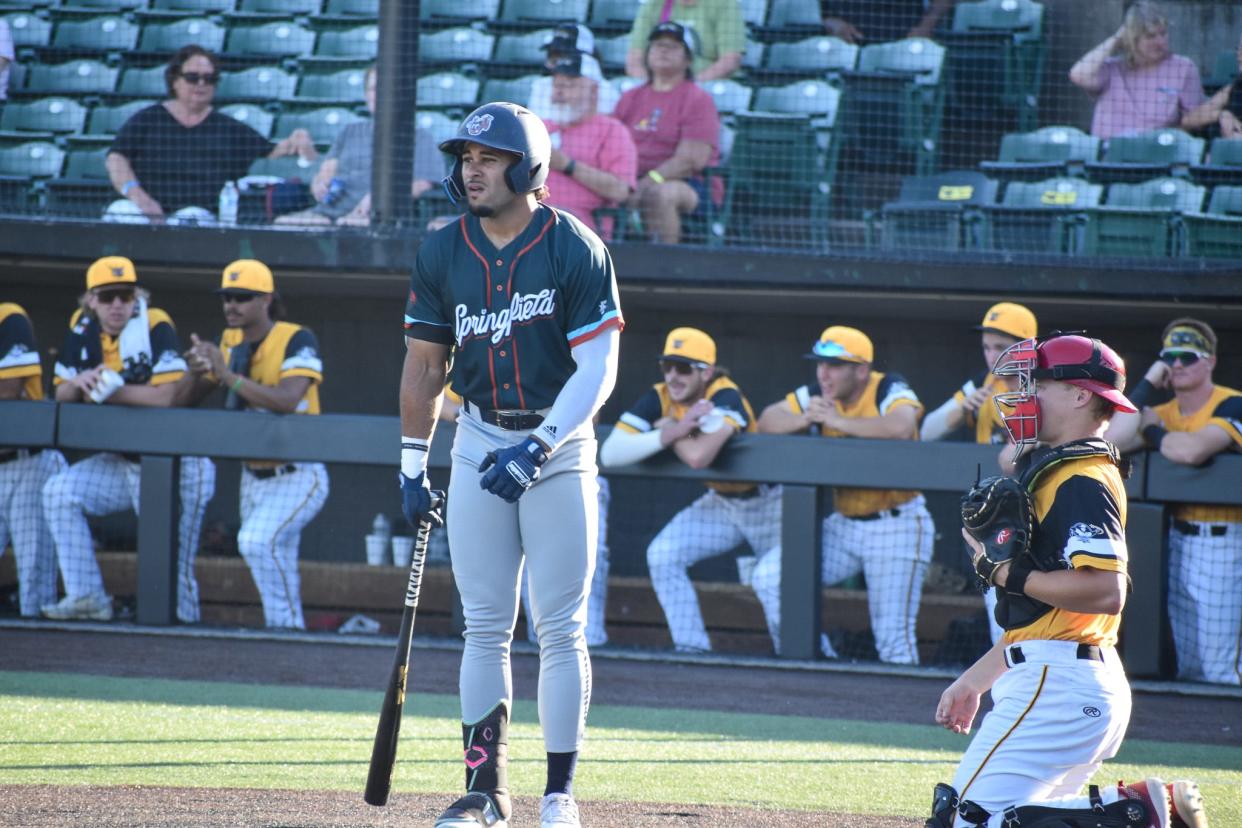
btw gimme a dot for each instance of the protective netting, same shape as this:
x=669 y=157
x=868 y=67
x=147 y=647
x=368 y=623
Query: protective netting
x=997 y=125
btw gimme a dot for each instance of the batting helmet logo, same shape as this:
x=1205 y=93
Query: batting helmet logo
x=1004 y=535
x=479 y=124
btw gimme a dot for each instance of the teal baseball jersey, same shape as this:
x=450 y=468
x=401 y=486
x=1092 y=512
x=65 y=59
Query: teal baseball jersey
x=513 y=314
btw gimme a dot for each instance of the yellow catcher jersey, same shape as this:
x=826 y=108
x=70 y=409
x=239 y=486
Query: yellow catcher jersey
x=19 y=356
x=288 y=350
x=1080 y=516
x=884 y=392
x=989 y=430
x=1224 y=409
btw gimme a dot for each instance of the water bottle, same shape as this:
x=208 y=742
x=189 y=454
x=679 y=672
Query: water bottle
x=382 y=526
x=228 y=204
x=336 y=188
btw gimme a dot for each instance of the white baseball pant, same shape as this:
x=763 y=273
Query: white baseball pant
x=1205 y=602
x=21 y=520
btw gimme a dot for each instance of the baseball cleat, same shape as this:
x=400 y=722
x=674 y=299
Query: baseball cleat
x=558 y=809
x=97 y=607
x=1153 y=793
x=1188 y=810
x=472 y=811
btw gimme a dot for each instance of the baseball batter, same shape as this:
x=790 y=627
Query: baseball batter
x=1004 y=324
x=1205 y=541
x=886 y=535
x=528 y=297
x=694 y=412
x=23 y=472
x=266 y=364
x=121 y=351
x=1061 y=702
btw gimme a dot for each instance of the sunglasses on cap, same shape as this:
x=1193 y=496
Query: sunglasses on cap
x=1187 y=358
x=236 y=298
x=678 y=367
x=197 y=78
x=107 y=297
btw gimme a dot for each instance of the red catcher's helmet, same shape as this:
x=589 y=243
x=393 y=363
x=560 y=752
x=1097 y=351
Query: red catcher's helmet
x=1077 y=360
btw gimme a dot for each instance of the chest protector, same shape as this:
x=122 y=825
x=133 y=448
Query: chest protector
x=1016 y=611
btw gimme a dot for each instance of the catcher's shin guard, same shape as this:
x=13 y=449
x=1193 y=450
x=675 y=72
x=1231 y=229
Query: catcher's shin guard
x=1124 y=813
x=944 y=807
x=487 y=757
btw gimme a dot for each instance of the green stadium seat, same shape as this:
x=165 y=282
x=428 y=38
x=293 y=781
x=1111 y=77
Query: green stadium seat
x=612 y=52
x=1043 y=153
x=791 y=17
x=255 y=117
x=45 y=117
x=1217 y=233
x=514 y=90
x=261 y=83
x=457 y=45
x=94 y=6
x=527 y=13
x=752 y=58
x=818 y=99
x=107 y=119
x=353 y=8
x=289 y=167
x=1131 y=158
x=450 y=12
x=324 y=124
x=754 y=12
x=278 y=8
x=1224 y=69
x=33 y=159
x=812 y=57
x=447 y=90
x=1142 y=219
x=143 y=83
x=84 y=190
x=194 y=6
x=729 y=95
x=937 y=212
x=1040 y=216
x=441 y=126
x=28 y=30
x=778 y=184
x=352 y=46
x=270 y=40
x=996 y=59
x=171 y=36
x=523 y=51
x=108 y=33
x=76 y=77
x=612 y=17
x=1224 y=165
x=343 y=86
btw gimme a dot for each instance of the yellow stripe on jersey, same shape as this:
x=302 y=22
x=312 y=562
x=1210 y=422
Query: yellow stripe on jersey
x=20 y=362
x=1174 y=420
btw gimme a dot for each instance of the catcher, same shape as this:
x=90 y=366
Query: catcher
x=1053 y=543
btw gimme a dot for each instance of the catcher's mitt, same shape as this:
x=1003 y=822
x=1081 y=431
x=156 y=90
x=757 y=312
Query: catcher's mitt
x=997 y=513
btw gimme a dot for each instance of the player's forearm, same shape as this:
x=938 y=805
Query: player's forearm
x=776 y=419
x=1076 y=590
x=698 y=450
x=144 y=396
x=584 y=392
x=981 y=675
x=11 y=389
x=422 y=381
x=1123 y=432
x=886 y=427
x=942 y=421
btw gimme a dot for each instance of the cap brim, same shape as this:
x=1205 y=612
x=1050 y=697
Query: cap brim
x=1119 y=400
x=680 y=358
x=989 y=329
x=222 y=290
x=1196 y=351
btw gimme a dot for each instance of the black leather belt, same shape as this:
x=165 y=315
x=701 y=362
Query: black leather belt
x=1187 y=528
x=1086 y=652
x=267 y=474
x=893 y=512
x=745 y=494
x=18 y=454
x=509 y=420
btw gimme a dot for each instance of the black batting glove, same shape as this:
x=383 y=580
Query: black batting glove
x=416 y=500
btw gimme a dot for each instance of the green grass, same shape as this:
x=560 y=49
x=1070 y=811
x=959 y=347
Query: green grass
x=67 y=729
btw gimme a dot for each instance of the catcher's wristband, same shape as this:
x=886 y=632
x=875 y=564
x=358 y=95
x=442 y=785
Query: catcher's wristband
x=1015 y=581
x=1153 y=435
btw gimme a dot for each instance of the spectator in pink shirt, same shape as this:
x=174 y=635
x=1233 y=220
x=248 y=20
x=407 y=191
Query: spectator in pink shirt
x=676 y=129
x=1138 y=83
x=593 y=156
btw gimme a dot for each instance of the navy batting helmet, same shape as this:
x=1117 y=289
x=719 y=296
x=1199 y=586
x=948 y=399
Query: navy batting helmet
x=508 y=127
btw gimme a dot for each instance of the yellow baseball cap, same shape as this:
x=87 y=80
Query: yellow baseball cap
x=1188 y=334
x=690 y=345
x=1010 y=319
x=841 y=344
x=246 y=276
x=111 y=270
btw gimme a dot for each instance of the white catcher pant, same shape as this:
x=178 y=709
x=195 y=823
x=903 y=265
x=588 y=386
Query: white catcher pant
x=1205 y=604
x=553 y=526
x=273 y=513
x=108 y=483
x=892 y=552
x=710 y=526
x=21 y=520
x=1055 y=719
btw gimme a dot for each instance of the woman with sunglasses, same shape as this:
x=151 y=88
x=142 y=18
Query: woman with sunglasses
x=170 y=160
x=1205 y=541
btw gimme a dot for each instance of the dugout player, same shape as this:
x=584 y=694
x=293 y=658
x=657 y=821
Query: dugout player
x=1061 y=702
x=266 y=364
x=694 y=412
x=1004 y=324
x=1205 y=541
x=116 y=332
x=885 y=534
x=527 y=295
x=23 y=471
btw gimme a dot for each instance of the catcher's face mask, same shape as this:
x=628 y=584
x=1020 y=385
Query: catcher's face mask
x=1019 y=409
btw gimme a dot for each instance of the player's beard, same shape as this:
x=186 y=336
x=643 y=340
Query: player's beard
x=483 y=211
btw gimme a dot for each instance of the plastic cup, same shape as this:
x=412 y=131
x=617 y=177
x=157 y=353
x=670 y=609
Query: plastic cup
x=402 y=550
x=109 y=381
x=376 y=549
x=746 y=569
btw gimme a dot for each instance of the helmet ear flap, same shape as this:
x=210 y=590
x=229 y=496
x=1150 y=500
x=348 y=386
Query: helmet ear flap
x=454 y=186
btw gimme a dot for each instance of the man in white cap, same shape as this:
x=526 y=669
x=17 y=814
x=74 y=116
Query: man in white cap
x=568 y=39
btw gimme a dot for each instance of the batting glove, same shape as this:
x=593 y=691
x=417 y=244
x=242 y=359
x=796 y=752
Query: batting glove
x=508 y=473
x=416 y=500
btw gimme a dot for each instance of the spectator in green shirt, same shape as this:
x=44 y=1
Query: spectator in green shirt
x=717 y=28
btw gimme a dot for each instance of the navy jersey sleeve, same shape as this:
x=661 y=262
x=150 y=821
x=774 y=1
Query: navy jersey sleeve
x=1228 y=415
x=893 y=391
x=73 y=356
x=642 y=415
x=589 y=289
x=302 y=357
x=729 y=400
x=167 y=362
x=1085 y=519
x=425 y=316
x=17 y=343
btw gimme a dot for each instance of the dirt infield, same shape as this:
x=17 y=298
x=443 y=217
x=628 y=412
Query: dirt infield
x=789 y=692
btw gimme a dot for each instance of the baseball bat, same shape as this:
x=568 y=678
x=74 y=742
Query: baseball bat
x=384 y=752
